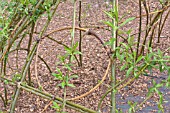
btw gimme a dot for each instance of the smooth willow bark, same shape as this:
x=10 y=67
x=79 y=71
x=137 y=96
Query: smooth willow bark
x=140 y=28
x=74 y=20
x=80 y=33
x=113 y=65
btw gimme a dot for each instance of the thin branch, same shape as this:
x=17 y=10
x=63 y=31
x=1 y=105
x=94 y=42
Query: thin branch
x=93 y=89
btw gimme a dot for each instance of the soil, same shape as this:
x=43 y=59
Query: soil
x=95 y=62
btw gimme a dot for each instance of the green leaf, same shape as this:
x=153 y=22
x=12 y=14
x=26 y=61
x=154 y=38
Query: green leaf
x=16 y=77
x=129 y=31
x=77 y=53
x=122 y=57
x=112 y=40
x=72 y=58
x=118 y=55
x=66 y=78
x=123 y=67
x=73 y=76
x=136 y=75
x=62 y=58
x=107 y=43
x=154 y=83
x=161 y=1
x=59 y=71
x=167 y=84
x=58 y=76
x=68 y=67
x=71 y=85
x=151 y=90
x=139 y=59
x=116 y=13
x=75 y=45
x=160 y=68
x=130 y=56
x=126 y=21
x=115 y=90
x=129 y=71
x=157 y=91
x=33 y=2
x=161 y=98
x=131 y=40
x=109 y=14
x=26 y=11
x=126 y=46
x=55 y=105
x=110 y=24
x=62 y=84
x=6 y=81
x=159 y=85
x=54 y=74
x=68 y=49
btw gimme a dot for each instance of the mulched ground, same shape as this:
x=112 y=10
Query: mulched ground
x=94 y=61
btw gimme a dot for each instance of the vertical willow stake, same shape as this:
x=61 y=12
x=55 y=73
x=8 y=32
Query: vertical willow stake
x=29 y=47
x=80 y=49
x=140 y=28
x=73 y=30
x=165 y=18
x=113 y=76
x=74 y=19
